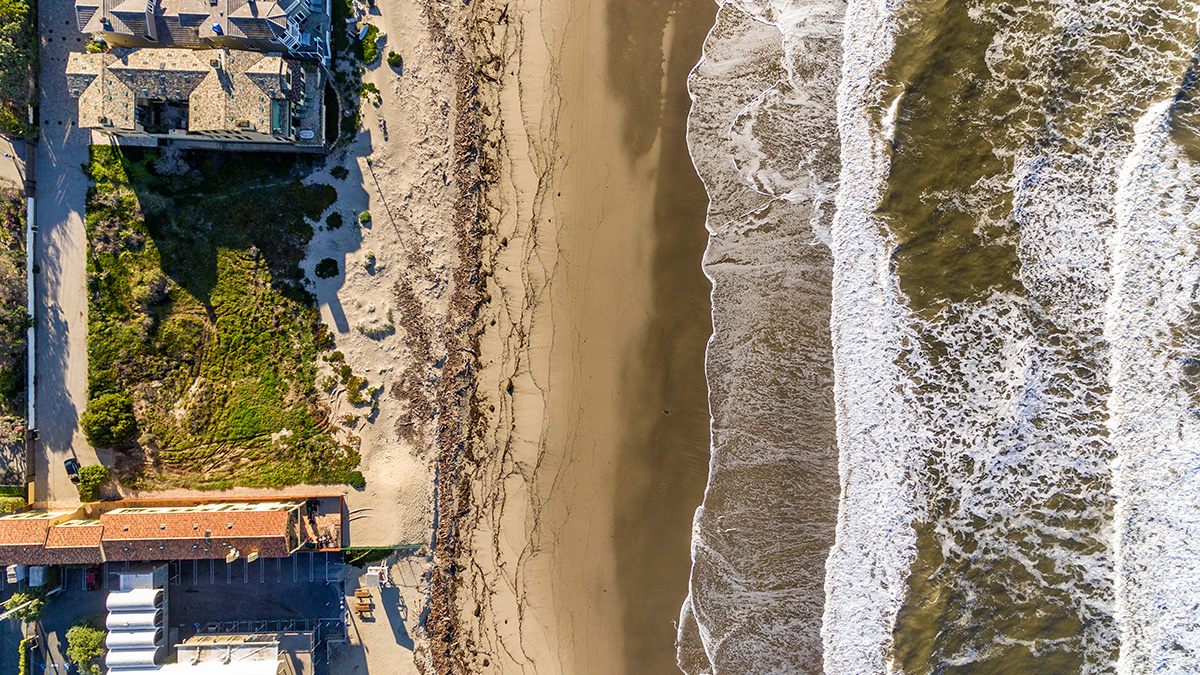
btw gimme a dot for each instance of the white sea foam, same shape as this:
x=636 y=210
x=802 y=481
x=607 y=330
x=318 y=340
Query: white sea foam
x=763 y=139
x=1155 y=427
x=875 y=546
x=1000 y=441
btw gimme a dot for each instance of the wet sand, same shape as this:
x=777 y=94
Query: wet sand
x=592 y=449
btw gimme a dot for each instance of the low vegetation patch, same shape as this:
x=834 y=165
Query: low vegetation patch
x=31 y=613
x=377 y=329
x=11 y=504
x=348 y=68
x=14 y=320
x=396 y=61
x=18 y=66
x=361 y=557
x=23 y=656
x=370 y=44
x=198 y=312
x=370 y=92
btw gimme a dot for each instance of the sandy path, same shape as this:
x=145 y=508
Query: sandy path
x=567 y=572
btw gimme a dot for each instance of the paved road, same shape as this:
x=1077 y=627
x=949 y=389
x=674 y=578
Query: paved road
x=60 y=250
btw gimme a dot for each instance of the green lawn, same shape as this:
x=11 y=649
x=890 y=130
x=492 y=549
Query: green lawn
x=198 y=311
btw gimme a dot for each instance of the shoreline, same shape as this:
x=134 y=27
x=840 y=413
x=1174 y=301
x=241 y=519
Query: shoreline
x=590 y=451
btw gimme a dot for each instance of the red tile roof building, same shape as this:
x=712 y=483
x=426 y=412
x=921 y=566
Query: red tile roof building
x=155 y=530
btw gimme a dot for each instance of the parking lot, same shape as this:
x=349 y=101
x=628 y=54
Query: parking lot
x=300 y=593
x=302 y=587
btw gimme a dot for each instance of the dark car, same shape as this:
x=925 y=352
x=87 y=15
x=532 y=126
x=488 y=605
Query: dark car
x=72 y=466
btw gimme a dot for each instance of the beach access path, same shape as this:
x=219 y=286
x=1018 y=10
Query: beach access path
x=60 y=251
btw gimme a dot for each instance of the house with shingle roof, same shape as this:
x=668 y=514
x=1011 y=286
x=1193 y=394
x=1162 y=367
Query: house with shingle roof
x=214 y=97
x=145 y=530
x=297 y=27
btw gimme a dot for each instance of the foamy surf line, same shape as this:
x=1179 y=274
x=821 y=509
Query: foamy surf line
x=1153 y=423
x=876 y=544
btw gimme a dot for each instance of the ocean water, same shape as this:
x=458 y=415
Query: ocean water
x=990 y=462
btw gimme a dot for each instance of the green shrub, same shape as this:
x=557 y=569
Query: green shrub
x=23 y=656
x=18 y=66
x=396 y=61
x=11 y=504
x=91 y=479
x=356 y=480
x=85 y=648
x=339 y=172
x=327 y=268
x=31 y=613
x=230 y=357
x=354 y=387
x=108 y=420
x=334 y=220
x=364 y=217
x=370 y=45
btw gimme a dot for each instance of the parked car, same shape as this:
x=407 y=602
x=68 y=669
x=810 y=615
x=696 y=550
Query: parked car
x=72 y=466
x=93 y=578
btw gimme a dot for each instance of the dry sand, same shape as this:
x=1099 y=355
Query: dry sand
x=398 y=171
x=583 y=491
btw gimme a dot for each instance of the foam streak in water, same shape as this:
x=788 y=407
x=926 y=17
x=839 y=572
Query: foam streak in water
x=875 y=542
x=1154 y=424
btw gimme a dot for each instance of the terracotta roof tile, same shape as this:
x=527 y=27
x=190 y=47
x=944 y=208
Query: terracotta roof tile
x=26 y=528
x=75 y=534
x=123 y=524
x=187 y=549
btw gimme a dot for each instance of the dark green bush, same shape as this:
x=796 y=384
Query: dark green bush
x=339 y=172
x=356 y=480
x=91 y=479
x=396 y=61
x=333 y=221
x=327 y=268
x=108 y=420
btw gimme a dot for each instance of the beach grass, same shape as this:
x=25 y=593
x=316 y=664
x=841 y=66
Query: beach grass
x=198 y=311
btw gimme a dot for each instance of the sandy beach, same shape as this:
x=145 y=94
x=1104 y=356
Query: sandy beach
x=591 y=451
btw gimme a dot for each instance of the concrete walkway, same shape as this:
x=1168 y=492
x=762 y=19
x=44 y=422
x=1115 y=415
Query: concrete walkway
x=12 y=161
x=60 y=250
